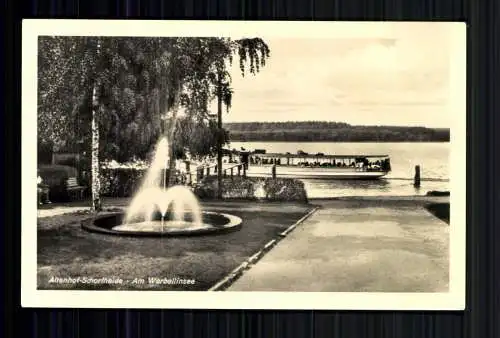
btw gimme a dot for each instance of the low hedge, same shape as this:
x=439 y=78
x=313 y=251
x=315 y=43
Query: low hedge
x=124 y=182
x=253 y=188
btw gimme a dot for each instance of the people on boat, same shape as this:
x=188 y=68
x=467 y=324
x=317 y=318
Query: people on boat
x=359 y=162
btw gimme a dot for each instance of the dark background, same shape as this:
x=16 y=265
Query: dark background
x=481 y=318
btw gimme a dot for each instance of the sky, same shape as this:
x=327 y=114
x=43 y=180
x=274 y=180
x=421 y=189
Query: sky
x=400 y=77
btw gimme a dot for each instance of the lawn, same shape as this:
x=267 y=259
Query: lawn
x=65 y=250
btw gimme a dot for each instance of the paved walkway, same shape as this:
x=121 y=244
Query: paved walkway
x=357 y=246
x=59 y=210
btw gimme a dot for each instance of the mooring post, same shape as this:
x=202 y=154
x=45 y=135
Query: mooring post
x=273 y=170
x=239 y=170
x=416 y=180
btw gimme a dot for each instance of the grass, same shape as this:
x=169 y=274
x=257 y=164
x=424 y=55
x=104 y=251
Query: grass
x=65 y=250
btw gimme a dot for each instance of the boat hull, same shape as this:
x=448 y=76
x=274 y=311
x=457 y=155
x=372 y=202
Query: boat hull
x=315 y=173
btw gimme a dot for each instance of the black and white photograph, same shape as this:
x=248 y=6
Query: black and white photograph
x=238 y=165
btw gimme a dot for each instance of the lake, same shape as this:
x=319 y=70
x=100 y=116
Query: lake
x=433 y=159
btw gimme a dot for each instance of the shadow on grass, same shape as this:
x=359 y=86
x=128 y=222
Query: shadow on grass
x=440 y=210
x=69 y=251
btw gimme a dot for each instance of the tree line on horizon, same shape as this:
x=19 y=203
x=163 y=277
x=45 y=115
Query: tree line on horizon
x=325 y=131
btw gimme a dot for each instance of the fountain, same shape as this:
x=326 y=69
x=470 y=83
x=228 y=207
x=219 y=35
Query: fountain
x=159 y=210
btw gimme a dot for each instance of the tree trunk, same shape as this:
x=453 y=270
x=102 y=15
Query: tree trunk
x=171 y=135
x=219 y=139
x=96 y=180
x=171 y=154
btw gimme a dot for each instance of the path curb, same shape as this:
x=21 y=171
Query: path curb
x=238 y=271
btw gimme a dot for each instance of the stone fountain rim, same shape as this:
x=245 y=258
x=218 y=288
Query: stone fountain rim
x=234 y=224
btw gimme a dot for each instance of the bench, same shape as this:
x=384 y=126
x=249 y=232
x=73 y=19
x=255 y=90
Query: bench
x=74 y=190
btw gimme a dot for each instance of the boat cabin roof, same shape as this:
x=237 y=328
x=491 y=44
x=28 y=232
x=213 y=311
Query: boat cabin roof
x=320 y=156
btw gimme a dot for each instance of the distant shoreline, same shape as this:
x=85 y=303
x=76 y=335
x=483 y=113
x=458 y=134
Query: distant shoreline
x=335 y=141
x=321 y=131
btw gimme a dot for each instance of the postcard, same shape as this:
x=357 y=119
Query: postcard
x=243 y=164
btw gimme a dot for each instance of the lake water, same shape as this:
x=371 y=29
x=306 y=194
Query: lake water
x=433 y=159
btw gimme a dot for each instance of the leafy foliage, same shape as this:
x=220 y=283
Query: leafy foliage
x=139 y=81
x=255 y=51
x=65 y=71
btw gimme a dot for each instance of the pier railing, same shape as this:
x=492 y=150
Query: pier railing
x=238 y=169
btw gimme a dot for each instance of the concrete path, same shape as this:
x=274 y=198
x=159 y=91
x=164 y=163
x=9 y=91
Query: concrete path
x=357 y=246
x=42 y=213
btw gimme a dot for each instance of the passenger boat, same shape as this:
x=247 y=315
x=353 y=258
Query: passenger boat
x=318 y=166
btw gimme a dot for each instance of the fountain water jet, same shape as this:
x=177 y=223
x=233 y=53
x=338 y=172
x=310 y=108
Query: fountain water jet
x=157 y=209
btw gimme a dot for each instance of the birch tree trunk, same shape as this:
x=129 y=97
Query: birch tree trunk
x=219 y=144
x=96 y=179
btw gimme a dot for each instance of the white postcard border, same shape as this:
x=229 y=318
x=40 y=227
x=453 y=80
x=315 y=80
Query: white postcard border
x=31 y=297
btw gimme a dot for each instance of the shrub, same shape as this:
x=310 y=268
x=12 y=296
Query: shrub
x=121 y=182
x=44 y=152
x=238 y=188
x=70 y=161
x=124 y=182
x=55 y=177
x=283 y=189
x=251 y=188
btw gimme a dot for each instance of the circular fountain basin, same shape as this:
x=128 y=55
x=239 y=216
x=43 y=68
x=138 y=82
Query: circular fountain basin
x=213 y=223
